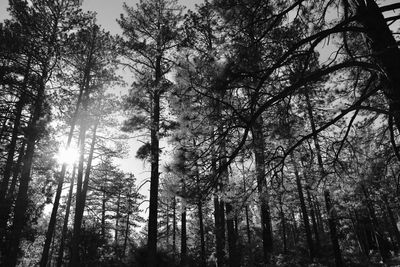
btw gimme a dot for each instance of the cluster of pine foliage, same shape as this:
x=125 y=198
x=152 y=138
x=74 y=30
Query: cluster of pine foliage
x=270 y=128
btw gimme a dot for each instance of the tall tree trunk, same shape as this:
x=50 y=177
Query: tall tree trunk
x=295 y=229
x=12 y=147
x=331 y=216
x=154 y=178
x=259 y=147
x=249 y=242
x=219 y=208
x=380 y=237
x=81 y=197
x=232 y=238
x=4 y=206
x=7 y=206
x=168 y=226
x=103 y=215
x=219 y=230
x=117 y=215
x=332 y=228
x=183 y=262
x=303 y=209
x=283 y=225
x=318 y=215
x=53 y=217
x=313 y=220
x=392 y=221
x=66 y=218
x=14 y=135
x=248 y=230
x=21 y=204
x=230 y=214
x=127 y=225
x=74 y=260
x=174 y=228
x=357 y=231
x=201 y=231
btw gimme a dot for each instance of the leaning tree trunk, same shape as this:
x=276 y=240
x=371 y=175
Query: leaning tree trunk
x=66 y=218
x=53 y=217
x=14 y=137
x=81 y=195
x=8 y=201
x=5 y=204
x=21 y=203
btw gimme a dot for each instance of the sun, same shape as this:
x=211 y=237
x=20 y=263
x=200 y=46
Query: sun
x=67 y=156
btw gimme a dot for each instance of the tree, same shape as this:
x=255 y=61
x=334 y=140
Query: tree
x=152 y=34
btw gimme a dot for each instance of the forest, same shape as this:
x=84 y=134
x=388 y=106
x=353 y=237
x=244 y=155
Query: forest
x=269 y=129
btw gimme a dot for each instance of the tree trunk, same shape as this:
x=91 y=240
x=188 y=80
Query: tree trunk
x=117 y=215
x=283 y=225
x=154 y=180
x=21 y=204
x=81 y=197
x=66 y=218
x=303 y=209
x=318 y=215
x=103 y=215
x=11 y=149
x=331 y=215
x=5 y=215
x=332 y=226
x=5 y=205
x=183 y=262
x=259 y=147
x=168 y=226
x=77 y=221
x=174 y=228
x=53 y=217
x=380 y=238
x=232 y=238
x=219 y=230
x=295 y=229
x=201 y=231
x=14 y=136
x=356 y=230
x=392 y=221
x=313 y=220
x=127 y=223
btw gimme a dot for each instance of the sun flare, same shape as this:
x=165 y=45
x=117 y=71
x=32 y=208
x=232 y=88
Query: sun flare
x=68 y=156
